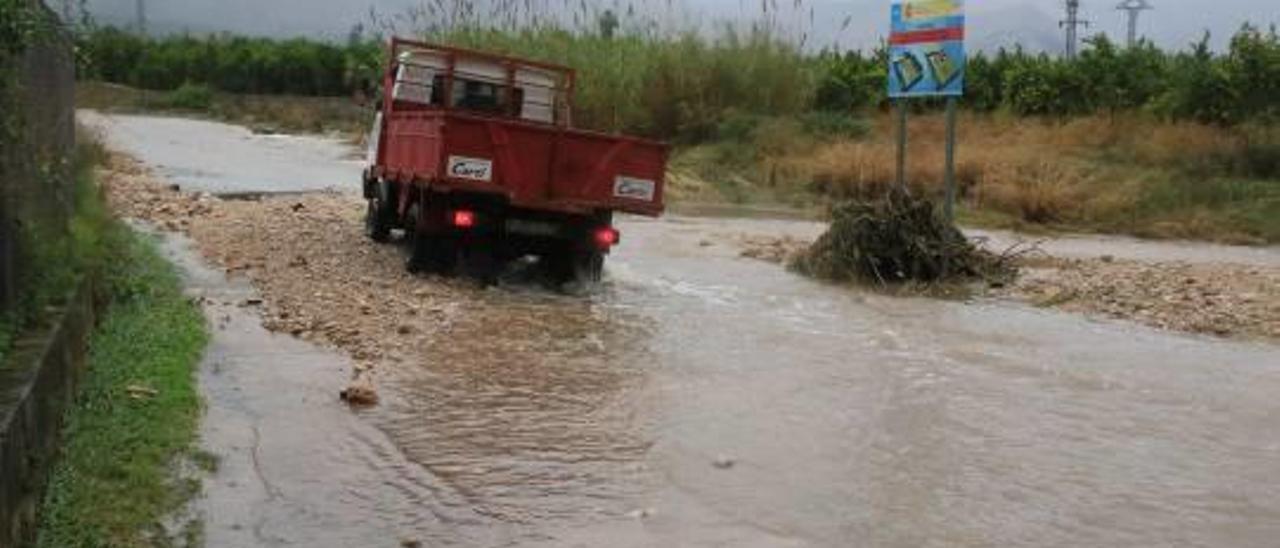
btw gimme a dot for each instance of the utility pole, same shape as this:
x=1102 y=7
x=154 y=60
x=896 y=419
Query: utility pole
x=142 y=17
x=1072 y=24
x=1135 y=8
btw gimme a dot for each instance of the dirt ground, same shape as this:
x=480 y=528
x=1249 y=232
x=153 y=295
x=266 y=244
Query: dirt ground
x=298 y=250
x=1222 y=299
x=697 y=395
x=1219 y=299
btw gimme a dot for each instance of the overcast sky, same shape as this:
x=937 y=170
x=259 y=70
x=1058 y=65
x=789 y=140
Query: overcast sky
x=1034 y=23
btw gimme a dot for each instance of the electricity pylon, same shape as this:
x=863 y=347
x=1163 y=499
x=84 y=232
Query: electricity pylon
x=1072 y=23
x=1135 y=8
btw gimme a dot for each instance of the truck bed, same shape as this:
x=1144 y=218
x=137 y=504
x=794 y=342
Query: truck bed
x=536 y=166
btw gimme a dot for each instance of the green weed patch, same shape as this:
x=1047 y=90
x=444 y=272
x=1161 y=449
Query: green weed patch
x=136 y=414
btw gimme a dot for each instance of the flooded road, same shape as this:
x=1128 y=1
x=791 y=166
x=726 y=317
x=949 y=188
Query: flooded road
x=293 y=468
x=701 y=399
x=204 y=156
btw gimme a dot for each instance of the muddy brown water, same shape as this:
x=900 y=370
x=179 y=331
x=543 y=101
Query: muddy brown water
x=701 y=399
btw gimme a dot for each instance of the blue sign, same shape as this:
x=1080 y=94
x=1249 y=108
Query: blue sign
x=926 y=49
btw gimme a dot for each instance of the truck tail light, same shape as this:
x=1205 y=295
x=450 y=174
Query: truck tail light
x=606 y=237
x=463 y=218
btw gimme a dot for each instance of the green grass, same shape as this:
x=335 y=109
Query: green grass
x=198 y=97
x=6 y=337
x=56 y=252
x=1230 y=209
x=115 y=480
x=675 y=85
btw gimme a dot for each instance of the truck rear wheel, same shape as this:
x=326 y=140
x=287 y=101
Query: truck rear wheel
x=432 y=253
x=570 y=266
x=588 y=266
x=379 y=216
x=482 y=260
x=376 y=226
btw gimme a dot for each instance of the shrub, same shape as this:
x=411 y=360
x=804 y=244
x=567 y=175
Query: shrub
x=230 y=63
x=1261 y=154
x=189 y=97
x=835 y=125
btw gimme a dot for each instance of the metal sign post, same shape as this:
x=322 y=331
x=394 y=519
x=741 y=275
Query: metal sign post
x=949 y=172
x=901 y=180
x=926 y=59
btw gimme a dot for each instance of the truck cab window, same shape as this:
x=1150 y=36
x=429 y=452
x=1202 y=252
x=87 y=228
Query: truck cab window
x=477 y=96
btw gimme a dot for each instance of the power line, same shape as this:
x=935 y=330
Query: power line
x=1072 y=24
x=1135 y=8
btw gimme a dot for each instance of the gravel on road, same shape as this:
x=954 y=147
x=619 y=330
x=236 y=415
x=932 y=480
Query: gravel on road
x=320 y=278
x=1215 y=298
x=323 y=281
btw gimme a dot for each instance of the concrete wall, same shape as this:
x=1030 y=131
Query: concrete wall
x=38 y=375
x=37 y=382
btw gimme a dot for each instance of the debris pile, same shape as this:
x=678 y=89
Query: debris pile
x=1226 y=300
x=896 y=240
x=132 y=192
x=321 y=278
x=777 y=250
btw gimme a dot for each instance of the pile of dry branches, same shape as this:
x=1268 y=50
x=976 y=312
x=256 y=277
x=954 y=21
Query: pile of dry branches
x=896 y=240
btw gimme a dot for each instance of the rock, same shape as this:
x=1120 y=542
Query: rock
x=361 y=391
x=641 y=513
x=724 y=462
x=1218 y=299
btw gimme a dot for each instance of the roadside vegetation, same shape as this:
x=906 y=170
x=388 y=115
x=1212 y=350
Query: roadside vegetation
x=134 y=418
x=134 y=421
x=51 y=241
x=114 y=480
x=1127 y=173
x=1135 y=140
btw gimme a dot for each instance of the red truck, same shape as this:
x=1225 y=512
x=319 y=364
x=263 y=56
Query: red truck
x=473 y=155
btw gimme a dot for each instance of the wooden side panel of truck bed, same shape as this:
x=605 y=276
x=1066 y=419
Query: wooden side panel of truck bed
x=536 y=166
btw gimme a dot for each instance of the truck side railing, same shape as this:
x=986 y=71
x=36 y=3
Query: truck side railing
x=444 y=93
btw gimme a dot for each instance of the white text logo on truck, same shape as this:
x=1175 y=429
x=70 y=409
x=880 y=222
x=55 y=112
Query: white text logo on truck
x=635 y=189
x=475 y=169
